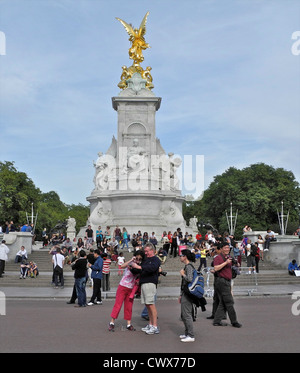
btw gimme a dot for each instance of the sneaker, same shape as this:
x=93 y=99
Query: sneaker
x=236 y=325
x=182 y=336
x=188 y=339
x=111 y=327
x=99 y=302
x=130 y=327
x=147 y=327
x=152 y=330
x=90 y=304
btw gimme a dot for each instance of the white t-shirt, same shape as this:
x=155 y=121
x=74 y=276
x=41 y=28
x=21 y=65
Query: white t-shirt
x=58 y=259
x=121 y=260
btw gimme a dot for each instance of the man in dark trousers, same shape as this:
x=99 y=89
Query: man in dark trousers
x=80 y=267
x=222 y=267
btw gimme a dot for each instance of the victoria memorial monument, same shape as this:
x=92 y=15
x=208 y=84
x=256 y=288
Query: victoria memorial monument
x=135 y=181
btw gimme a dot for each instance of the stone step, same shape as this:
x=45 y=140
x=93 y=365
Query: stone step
x=43 y=260
x=172 y=279
x=269 y=274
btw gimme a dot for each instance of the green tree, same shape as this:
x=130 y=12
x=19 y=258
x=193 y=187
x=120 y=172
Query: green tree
x=17 y=193
x=255 y=191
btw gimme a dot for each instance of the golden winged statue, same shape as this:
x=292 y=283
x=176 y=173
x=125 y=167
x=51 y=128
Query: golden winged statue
x=136 y=37
x=138 y=44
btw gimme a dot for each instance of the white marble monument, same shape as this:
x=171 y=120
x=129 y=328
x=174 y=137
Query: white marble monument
x=136 y=184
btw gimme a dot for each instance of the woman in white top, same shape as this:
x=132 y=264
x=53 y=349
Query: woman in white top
x=260 y=242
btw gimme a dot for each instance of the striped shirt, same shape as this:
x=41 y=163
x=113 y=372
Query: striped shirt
x=106 y=265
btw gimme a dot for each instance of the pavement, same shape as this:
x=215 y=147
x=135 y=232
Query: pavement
x=38 y=320
x=163 y=292
x=269 y=325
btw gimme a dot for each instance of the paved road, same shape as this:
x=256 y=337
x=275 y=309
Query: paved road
x=39 y=325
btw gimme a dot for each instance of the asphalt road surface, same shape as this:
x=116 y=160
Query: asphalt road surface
x=269 y=325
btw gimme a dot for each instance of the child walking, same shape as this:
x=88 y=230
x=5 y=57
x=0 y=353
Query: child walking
x=120 y=261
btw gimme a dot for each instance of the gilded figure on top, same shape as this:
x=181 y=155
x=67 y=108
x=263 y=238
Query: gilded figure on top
x=136 y=37
x=138 y=44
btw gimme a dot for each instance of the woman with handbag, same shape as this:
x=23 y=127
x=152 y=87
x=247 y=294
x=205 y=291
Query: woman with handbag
x=185 y=301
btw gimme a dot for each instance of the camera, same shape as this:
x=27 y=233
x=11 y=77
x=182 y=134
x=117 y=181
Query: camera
x=234 y=261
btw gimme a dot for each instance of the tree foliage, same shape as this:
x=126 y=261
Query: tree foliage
x=255 y=191
x=18 y=193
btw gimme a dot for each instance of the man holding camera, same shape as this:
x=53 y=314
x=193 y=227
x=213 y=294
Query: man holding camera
x=223 y=271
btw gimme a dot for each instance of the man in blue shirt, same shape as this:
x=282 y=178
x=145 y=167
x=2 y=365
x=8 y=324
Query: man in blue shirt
x=97 y=277
x=292 y=267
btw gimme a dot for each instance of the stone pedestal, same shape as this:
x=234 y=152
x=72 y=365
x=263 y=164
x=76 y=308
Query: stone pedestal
x=14 y=241
x=136 y=185
x=282 y=251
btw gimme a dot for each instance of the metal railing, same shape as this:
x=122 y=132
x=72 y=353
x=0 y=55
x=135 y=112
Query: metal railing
x=246 y=281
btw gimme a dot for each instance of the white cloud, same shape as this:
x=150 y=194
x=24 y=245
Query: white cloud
x=228 y=81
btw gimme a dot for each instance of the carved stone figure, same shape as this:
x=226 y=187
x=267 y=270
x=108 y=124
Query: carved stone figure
x=71 y=224
x=136 y=157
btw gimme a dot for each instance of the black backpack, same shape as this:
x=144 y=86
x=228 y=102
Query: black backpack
x=253 y=250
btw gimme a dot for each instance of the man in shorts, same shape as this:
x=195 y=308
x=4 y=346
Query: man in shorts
x=148 y=281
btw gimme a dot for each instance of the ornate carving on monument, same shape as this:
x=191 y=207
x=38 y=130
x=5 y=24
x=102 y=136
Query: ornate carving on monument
x=136 y=157
x=170 y=214
x=101 y=214
x=105 y=168
x=174 y=164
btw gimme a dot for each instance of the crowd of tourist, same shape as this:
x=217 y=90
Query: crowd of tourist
x=91 y=258
x=10 y=226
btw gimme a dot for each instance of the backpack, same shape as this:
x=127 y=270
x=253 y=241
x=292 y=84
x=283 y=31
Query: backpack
x=196 y=286
x=253 y=250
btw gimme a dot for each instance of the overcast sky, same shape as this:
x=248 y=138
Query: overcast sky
x=227 y=73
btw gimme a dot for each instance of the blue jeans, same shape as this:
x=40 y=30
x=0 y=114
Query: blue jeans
x=80 y=289
x=125 y=242
x=20 y=258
